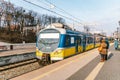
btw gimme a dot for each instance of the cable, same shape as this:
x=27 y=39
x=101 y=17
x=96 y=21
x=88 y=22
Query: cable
x=51 y=11
x=62 y=10
x=44 y=3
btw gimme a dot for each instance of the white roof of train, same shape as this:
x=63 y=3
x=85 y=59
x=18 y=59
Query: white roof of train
x=57 y=26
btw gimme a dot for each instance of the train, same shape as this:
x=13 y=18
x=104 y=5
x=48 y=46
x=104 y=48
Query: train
x=57 y=42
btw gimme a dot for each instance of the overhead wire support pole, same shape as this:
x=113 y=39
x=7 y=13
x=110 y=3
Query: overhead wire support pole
x=51 y=11
x=51 y=7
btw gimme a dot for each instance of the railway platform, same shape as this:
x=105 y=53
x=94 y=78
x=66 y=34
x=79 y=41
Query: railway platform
x=19 y=53
x=17 y=49
x=17 y=61
x=84 y=66
x=14 y=52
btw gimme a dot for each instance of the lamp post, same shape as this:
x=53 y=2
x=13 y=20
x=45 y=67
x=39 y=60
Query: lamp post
x=119 y=23
x=117 y=32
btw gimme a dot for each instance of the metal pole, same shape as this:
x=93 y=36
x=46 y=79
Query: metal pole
x=51 y=14
x=117 y=32
x=51 y=7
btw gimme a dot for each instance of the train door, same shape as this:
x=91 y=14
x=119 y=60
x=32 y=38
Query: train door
x=76 y=43
x=84 y=43
x=94 y=40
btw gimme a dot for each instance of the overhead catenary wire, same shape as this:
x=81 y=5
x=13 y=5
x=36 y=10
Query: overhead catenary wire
x=52 y=11
x=47 y=4
x=62 y=10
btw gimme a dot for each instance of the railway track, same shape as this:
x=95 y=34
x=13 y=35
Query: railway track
x=18 y=64
x=19 y=68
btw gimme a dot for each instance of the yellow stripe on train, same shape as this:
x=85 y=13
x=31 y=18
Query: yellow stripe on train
x=63 y=53
x=60 y=54
x=38 y=54
x=97 y=44
x=89 y=46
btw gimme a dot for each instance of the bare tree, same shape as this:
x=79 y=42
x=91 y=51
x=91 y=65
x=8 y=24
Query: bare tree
x=2 y=10
x=9 y=14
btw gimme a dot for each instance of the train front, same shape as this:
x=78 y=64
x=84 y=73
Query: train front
x=47 y=43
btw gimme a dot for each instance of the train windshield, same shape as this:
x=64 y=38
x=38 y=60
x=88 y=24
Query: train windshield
x=48 y=40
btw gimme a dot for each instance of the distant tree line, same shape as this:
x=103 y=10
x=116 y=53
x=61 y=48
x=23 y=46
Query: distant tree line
x=13 y=19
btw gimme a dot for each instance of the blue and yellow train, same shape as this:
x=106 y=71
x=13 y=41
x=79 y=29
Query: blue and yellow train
x=58 y=42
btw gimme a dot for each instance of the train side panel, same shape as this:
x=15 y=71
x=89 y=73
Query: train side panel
x=67 y=47
x=97 y=45
x=89 y=46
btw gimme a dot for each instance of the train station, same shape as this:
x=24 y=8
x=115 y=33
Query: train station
x=59 y=40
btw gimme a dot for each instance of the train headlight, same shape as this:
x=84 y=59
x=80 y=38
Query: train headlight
x=36 y=49
x=38 y=52
x=58 y=52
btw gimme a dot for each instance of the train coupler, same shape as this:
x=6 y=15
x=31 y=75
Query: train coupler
x=45 y=59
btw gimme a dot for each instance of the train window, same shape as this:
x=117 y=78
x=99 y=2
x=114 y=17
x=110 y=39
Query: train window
x=84 y=41
x=79 y=41
x=67 y=40
x=89 y=40
x=72 y=40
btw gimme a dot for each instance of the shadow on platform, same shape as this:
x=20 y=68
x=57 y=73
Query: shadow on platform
x=111 y=54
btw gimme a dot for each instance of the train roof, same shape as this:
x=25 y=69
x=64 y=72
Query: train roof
x=63 y=29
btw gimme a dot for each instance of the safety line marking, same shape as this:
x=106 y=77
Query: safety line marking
x=94 y=73
x=96 y=70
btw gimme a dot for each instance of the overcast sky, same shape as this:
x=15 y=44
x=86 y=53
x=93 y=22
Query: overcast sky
x=105 y=14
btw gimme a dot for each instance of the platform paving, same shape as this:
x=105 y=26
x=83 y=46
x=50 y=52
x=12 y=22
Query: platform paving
x=80 y=67
x=111 y=68
x=109 y=71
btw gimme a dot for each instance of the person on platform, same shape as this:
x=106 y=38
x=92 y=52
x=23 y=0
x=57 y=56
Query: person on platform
x=107 y=42
x=116 y=44
x=103 y=49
